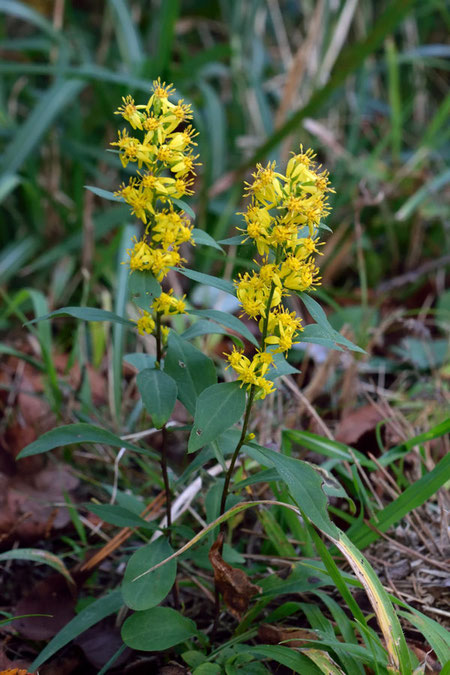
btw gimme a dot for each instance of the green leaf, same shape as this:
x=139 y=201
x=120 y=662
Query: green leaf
x=119 y=515
x=203 y=327
x=104 y=194
x=415 y=495
x=228 y=320
x=157 y=629
x=39 y=556
x=208 y=280
x=327 y=447
x=88 y=617
x=120 y=301
x=280 y=367
x=237 y=240
x=218 y=408
x=128 y=37
x=184 y=206
x=305 y=485
x=288 y=657
x=204 y=239
x=85 y=314
x=190 y=368
x=71 y=434
x=436 y=635
x=143 y=288
x=140 y=361
x=50 y=104
x=151 y=589
x=320 y=317
x=159 y=394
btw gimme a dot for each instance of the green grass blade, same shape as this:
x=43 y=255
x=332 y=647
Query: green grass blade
x=30 y=133
x=415 y=495
x=122 y=275
x=127 y=36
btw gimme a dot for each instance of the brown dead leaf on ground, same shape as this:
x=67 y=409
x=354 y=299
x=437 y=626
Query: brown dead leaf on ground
x=291 y=637
x=232 y=583
x=27 y=504
x=357 y=423
x=50 y=596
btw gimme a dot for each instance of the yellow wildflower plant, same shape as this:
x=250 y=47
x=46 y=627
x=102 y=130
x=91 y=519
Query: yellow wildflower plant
x=162 y=151
x=282 y=219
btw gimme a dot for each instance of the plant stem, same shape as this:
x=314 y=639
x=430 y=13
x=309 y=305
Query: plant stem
x=250 y=400
x=165 y=474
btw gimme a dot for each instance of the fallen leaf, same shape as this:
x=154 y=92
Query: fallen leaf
x=292 y=637
x=231 y=582
x=49 y=596
x=100 y=643
x=27 y=504
x=357 y=423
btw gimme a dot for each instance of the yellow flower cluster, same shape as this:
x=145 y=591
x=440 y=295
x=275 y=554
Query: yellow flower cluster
x=165 y=171
x=282 y=220
x=164 y=306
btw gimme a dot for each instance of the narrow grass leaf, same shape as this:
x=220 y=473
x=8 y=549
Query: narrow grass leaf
x=286 y=656
x=39 y=556
x=121 y=296
x=437 y=635
x=387 y=618
x=128 y=37
x=327 y=447
x=157 y=629
x=30 y=133
x=89 y=616
x=414 y=496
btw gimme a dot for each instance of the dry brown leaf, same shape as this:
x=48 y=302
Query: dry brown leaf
x=231 y=582
x=26 y=504
x=292 y=637
x=357 y=423
x=50 y=596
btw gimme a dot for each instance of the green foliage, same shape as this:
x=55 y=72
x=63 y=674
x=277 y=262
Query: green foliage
x=382 y=134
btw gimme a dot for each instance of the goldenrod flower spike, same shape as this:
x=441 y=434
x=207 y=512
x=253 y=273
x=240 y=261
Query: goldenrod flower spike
x=281 y=208
x=165 y=163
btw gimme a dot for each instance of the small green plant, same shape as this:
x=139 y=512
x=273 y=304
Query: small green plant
x=283 y=219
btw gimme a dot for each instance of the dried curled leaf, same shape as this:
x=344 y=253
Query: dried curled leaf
x=233 y=583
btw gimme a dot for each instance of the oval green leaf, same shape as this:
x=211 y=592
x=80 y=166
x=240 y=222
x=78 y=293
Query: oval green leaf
x=71 y=434
x=157 y=629
x=151 y=589
x=159 y=394
x=228 y=320
x=218 y=408
x=208 y=280
x=85 y=314
x=204 y=239
x=190 y=368
x=143 y=288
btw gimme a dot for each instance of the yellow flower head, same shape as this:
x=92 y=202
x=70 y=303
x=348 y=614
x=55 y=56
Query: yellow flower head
x=130 y=112
x=167 y=305
x=145 y=324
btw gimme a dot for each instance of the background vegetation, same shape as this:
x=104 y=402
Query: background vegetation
x=364 y=83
